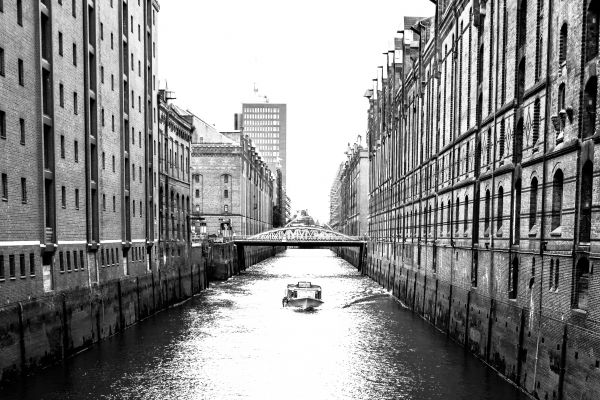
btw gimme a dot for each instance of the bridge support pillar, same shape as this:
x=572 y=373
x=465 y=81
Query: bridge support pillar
x=361 y=254
x=241 y=257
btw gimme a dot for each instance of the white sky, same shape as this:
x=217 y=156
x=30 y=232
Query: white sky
x=319 y=57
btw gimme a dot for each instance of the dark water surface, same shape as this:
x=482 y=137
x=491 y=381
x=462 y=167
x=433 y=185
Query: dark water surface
x=235 y=341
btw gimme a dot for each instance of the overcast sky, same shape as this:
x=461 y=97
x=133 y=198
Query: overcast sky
x=318 y=57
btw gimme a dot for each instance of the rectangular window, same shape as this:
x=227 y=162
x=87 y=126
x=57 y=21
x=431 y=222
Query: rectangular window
x=21 y=72
x=101 y=31
x=75 y=103
x=114 y=204
x=103 y=202
x=1 y=61
x=102 y=74
x=61 y=95
x=61 y=262
x=74 y=54
x=68 y=261
x=31 y=264
x=81 y=260
x=77 y=199
x=11 y=266
x=103 y=161
x=2 y=125
x=60 y=44
x=63 y=193
x=22 y=129
x=76 y=151
x=2 y=262
x=4 y=187
x=75 y=266
x=22 y=265
x=111 y=41
x=112 y=82
x=23 y=190
x=62 y=146
x=226 y=193
x=113 y=163
x=20 y=12
x=74 y=8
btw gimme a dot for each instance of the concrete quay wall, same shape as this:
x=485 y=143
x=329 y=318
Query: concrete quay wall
x=546 y=356
x=45 y=330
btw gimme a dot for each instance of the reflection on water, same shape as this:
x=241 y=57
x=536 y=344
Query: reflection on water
x=235 y=340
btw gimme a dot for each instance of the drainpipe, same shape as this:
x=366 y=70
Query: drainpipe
x=543 y=184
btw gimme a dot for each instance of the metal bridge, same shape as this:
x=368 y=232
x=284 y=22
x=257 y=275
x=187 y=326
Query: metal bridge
x=301 y=236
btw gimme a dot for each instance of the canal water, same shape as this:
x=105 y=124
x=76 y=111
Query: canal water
x=236 y=341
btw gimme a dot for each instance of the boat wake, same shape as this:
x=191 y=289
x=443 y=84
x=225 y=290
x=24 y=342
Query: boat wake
x=365 y=299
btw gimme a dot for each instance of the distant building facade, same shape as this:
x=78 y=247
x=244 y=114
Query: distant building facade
x=266 y=125
x=78 y=119
x=231 y=185
x=335 y=199
x=354 y=192
x=175 y=133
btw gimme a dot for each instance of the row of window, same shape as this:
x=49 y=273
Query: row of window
x=20 y=68
x=68 y=264
x=3 y=127
x=12 y=266
x=5 y=189
x=556 y=209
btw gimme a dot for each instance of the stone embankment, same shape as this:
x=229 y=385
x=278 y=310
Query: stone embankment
x=548 y=357
x=42 y=331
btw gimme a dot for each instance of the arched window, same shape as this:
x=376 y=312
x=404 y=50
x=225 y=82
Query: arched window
x=488 y=149
x=533 y=194
x=466 y=215
x=557 y=194
x=442 y=219
x=591 y=30
x=449 y=217
x=513 y=279
x=500 y=213
x=521 y=81
x=522 y=28
x=585 y=207
x=457 y=216
x=561 y=97
x=562 y=50
x=517 y=216
x=502 y=141
x=582 y=279
x=487 y=213
x=589 y=107
x=536 y=122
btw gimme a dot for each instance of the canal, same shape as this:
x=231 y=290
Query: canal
x=236 y=341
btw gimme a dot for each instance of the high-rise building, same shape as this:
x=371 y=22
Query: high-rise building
x=265 y=124
x=77 y=130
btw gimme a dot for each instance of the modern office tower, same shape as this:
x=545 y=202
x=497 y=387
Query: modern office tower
x=77 y=136
x=265 y=124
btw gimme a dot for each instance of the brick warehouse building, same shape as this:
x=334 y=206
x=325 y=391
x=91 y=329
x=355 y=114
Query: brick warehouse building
x=230 y=183
x=483 y=214
x=77 y=139
x=175 y=130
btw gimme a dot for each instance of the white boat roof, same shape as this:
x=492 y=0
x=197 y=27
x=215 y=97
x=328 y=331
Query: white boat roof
x=303 y=285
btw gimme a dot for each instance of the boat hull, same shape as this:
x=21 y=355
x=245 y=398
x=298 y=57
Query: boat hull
x=305 y=303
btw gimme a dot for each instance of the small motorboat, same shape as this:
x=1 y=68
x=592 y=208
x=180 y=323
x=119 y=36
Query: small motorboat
x=303 y=295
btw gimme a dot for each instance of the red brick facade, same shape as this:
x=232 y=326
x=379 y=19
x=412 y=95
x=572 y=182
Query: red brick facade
x=80 y=113
x=482 y=137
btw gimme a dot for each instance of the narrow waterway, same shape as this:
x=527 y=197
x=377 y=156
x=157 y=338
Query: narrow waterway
x=236 y=341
